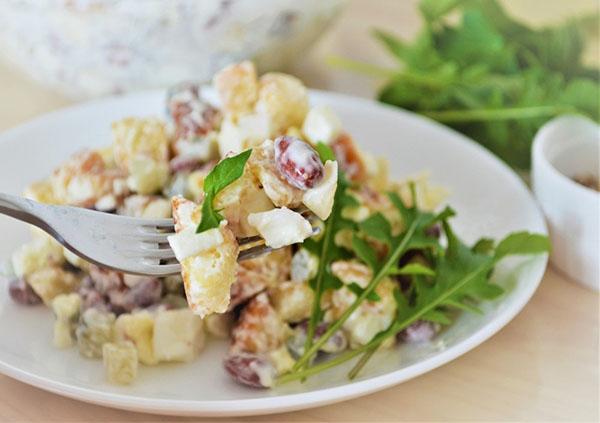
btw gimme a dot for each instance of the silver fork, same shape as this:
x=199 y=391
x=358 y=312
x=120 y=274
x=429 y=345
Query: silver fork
x=127 y=244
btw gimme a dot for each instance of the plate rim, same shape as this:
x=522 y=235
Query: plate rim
x=296 y=401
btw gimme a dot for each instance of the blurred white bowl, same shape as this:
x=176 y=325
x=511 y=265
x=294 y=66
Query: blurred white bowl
x=87 y=48
x=566 y=147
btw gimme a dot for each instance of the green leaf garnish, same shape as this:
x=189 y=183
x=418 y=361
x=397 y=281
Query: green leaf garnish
x=224 y=174
x=358 y=290
x=457 y=276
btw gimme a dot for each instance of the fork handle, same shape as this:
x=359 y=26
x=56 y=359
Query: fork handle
x=20 y=208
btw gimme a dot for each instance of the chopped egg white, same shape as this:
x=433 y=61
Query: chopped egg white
x=188 y=243
x=280 y=227
x=319 y=199
x=321 y=125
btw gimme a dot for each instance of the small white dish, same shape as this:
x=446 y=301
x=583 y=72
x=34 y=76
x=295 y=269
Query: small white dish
x=566 y=147
x=491 y=200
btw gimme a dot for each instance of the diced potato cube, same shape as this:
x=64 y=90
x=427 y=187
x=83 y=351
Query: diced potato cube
x=237 y=86
x=178 y=335
x=218 y=325
x=279 y=191
x=247 y=191
x=83 y=180
x=259 y=328
x=120 y=362
x=158 y=209
x=35 y=255
x=63 y=334
x=304 y=265
x=52 y=281
x=282 y=360
x=284 y=99
x=209 y=273
x=139 y=329
x=321 y=125
x=95 y=329
x=75 y=260
x=135 y=137
x=66 y=307
x=147 y=176
x=292 y=301
x=41 y=191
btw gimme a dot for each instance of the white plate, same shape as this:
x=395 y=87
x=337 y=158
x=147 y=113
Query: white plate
x=490 y=199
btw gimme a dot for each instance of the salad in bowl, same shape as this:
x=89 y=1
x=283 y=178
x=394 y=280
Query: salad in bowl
x=359 y=262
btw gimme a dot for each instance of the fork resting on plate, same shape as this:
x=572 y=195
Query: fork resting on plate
x=127 y=244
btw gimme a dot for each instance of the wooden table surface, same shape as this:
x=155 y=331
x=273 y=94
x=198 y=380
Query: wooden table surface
x=543 y=366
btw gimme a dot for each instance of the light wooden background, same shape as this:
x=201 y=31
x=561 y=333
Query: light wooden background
x=542 y=367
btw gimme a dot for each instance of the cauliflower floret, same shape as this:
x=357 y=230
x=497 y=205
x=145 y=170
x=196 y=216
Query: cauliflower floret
x=284 y=99
x=371 y=317
x=40 y=252
x=120 y=362
x=49 y=282
x=237 y=86
x=178 y=335
x=280 y=227
x=292 y=300
x=209 y=273
x=259 y=329
x=139 y=329
x=262 y=164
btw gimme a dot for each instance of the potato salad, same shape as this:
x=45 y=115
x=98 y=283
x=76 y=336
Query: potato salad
x=359 y=262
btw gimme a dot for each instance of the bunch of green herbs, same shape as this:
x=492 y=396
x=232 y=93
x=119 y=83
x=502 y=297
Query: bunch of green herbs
x=475 y=68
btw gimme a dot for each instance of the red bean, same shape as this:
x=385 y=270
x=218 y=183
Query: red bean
x=420 y=331
x=192 y=116
x=298 y=162
x=105 y=280
x=250 y=370
x=22 y=293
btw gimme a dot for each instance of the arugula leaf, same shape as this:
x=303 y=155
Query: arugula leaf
x=483 y=246
x=358 y=290
x=325 y=153
x=461 y=275
x=365 y=252
x=224 y=174
x=377 y=227
x=520 y=243
x=326 y=249
x=413 y=269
